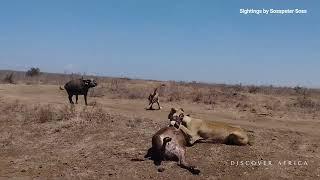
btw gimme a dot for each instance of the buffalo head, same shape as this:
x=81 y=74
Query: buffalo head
x=90 y=83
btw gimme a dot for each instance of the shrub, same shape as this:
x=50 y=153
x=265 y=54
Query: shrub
x=95 y=114
x=137 y=93
x=174 y=93
x=210 y=98
x=253 y=89
x=117 y=85
x=99 y=91
x=47 y=113
x=304 y=102
x=9 y=78
x=66 y=113
x=15 y=106
x=237 y=87
x=300 y=90
x=33 y=72
x=197 y=96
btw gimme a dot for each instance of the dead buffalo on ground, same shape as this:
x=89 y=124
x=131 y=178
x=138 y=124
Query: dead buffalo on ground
x=79 y=87
x=169 y=143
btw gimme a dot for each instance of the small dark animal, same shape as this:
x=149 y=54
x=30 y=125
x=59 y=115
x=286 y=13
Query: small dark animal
x=79 y=87
x=154 y=98
x=169 y=143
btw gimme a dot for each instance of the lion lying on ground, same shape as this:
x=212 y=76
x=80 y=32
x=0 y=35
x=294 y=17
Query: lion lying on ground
x=199 y=130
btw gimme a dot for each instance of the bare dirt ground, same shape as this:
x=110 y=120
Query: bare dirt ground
x=100 y=141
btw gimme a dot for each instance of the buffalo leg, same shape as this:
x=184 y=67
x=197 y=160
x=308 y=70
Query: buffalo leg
x=183 y=163
x=85 y=99
x=163 y=148
x=70 y=99
x=77 y=99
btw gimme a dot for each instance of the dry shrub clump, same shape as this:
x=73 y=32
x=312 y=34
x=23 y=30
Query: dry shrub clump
x=210 y=98
x=9 y=78
x=99 y=91
x=197 y=96
x=15 y=106
x=137 y=93
x=133 y=123
x=253 y=89
x=274 y=105
x=117 y=86
x=95 y=114
x=301 y=91
x=304 y=102
x=48 y=113
x=206 y=96
x=124 y=88
x=202 y=93
x=174 y=92
x=44 y=114
x=66 y=112
x=33 y=72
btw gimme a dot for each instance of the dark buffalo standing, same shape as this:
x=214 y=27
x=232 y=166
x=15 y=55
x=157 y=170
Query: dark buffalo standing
x=79 y=87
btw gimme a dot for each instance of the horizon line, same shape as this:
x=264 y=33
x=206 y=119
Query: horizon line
x=168 y=80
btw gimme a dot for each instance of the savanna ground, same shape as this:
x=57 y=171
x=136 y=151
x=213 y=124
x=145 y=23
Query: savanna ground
x=42 y=136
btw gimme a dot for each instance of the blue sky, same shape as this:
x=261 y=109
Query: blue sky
x=187 y=40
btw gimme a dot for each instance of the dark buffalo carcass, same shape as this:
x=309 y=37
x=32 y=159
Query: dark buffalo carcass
x=79 y=87
x=169 y=143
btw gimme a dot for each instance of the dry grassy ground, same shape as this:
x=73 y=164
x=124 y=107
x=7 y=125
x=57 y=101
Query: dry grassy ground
x=42 y=136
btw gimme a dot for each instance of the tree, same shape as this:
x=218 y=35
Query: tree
x=33 y=72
